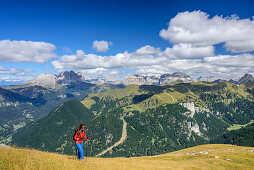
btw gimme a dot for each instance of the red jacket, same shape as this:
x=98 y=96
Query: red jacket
x=79 y=135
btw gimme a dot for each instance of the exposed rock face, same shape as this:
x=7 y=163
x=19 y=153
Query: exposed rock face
x=100 y=81
x=247 y=78
x=45 y=80
x=194 y=127
x=53 y=81
x=142 y=80
x=157 y=80
x=189 y=106
x=207 y=79
x=70 y=77
x=175 y=77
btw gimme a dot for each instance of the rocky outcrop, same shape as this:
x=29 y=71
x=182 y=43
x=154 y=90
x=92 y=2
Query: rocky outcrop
x=68 y=77
x=142 y=80
x=44 y=80
x=175 y=77
x=53 y=81
x=189 y=106
x=207 y=79
x=157 y=80
x=247 y=78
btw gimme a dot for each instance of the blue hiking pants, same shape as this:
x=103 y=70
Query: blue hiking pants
x=80 y=151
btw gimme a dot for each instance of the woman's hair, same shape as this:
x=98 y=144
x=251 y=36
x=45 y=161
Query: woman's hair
x=81 y=125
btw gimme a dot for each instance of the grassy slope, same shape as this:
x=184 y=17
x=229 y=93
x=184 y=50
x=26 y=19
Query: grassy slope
x=229 y=157
x=167 y=94
x=113 y=94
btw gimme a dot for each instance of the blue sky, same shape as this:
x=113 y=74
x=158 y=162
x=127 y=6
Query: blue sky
x=125 y=26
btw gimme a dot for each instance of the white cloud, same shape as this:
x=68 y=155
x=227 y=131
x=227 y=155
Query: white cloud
x=193 y=35
x=104 y=73
x=150 y=60
x=188 y=51
x=240 y=46
x=14 y=80
x=242 y=60
x=14 y=71
x=101 y=46
x=199 y=29
x=26 y=51
x=144 y=56
x=147 y=50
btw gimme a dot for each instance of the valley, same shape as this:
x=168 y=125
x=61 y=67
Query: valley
x=159 y=119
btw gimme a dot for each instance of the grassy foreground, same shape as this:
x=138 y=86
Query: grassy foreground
x=216 y=156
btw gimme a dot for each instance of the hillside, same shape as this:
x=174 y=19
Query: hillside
x=199 y=157
x=243 y=136
x=22 y=104
x=50 y=131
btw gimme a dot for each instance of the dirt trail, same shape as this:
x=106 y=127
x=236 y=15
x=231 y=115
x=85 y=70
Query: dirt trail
x=171 y=96
x=123 y=138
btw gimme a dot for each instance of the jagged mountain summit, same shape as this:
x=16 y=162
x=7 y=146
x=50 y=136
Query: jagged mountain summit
x=247 y=78
x=175 y=77
x=46 y=80
x=142 y=80
x=207 y=78
x=158 y=79
x=70 y=77
x=53 y=81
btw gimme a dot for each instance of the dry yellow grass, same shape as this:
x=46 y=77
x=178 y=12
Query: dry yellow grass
x=213 y=157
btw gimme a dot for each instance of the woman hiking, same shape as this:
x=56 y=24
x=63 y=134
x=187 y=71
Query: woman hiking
x=78 y=137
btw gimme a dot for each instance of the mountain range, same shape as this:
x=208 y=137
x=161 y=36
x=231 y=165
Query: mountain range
x=143 y=120
x=24 y=103
x=56 y=81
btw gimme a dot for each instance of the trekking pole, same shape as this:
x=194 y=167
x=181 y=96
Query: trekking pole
x=76 y=150
x=86 y=149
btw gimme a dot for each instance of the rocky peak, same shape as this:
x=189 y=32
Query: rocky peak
x=246 y=79
x=45 y=80
x=175 y=77
x=175 y=74
x=207 y=78
x=70 y=77
x=53 y=81
x=180 y=75
x=142 y=80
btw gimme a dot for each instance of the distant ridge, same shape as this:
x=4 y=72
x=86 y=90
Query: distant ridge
x=53 y=81
x=247 y=78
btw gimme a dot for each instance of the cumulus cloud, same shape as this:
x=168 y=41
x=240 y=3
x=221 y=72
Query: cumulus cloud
x=199 y=29
x=14 y=71
x=144 y=56
x=101 y=46
x=10 y=80
x=242 y=60
x=26 y=51
x=240 y=46
x=188 y=51
x=150 y=60
x=193 y=36
x=104 y=73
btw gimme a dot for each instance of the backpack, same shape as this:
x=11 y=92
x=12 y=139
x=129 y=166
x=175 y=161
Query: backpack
x=75 y=134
